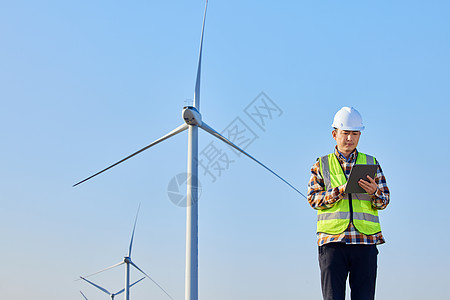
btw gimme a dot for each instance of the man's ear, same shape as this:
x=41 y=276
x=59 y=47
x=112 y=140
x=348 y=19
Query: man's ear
x=333 y=134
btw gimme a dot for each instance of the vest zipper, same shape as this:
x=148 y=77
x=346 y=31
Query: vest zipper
x=350 y=202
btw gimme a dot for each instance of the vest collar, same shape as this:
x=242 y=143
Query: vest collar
x=351 y=158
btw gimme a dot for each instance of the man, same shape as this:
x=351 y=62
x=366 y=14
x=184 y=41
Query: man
x=348 y=227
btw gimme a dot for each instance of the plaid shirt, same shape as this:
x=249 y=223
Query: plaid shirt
x=319 y=198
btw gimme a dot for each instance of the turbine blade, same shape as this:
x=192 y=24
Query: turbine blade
x=199 y=67
x=134 y=265
x=97 y=286
x=137 y=281
x=113 y=266
x=122 y=290
x=210 y=130
x=83 y=295
x=119 y=292
x=132 y=235
x=165 y=137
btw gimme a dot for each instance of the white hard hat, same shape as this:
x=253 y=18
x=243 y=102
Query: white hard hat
x=348 y=118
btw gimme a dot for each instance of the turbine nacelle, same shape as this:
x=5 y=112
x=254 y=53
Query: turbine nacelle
x=192 y=116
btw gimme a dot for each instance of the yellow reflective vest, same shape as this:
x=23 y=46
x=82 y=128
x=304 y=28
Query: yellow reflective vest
x=356 y=208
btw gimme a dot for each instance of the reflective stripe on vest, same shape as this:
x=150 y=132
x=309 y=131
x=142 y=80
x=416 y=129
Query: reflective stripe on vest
x=336 y=219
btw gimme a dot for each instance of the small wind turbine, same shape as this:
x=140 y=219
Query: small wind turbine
x=112 y=295
x=192 y=121
x=127 y=261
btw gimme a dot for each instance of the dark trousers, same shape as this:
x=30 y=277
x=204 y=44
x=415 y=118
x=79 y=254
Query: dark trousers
x=338 y=260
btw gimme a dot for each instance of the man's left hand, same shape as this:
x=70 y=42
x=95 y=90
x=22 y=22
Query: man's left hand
x=370 y=186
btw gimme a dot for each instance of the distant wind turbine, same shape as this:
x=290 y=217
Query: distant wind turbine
x=112 y=295
x=127 y=261
x=192 y=121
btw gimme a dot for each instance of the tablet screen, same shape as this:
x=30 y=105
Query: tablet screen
x=359 y=172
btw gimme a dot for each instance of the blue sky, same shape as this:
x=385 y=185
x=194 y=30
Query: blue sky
x=84 y=84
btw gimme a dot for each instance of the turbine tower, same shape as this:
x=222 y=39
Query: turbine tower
x=112 y=295
x=192 y=121
x=127 y=261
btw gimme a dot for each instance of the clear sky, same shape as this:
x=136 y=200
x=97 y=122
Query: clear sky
x=85 y=83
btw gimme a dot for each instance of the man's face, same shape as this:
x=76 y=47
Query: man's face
x=346 y=140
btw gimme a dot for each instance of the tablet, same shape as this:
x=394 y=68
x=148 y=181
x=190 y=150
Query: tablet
x=359 y=172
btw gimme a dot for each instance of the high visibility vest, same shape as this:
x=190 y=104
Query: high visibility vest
x=356 y=207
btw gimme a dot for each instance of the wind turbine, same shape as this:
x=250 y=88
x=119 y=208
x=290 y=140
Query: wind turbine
x=127 y=261
x=112 y=295
x=192 y=121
